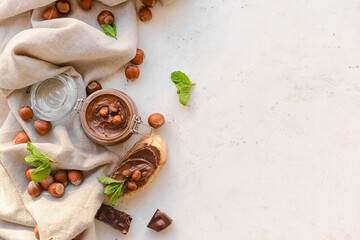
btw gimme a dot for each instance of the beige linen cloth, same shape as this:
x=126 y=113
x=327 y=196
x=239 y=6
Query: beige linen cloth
x=32 y=50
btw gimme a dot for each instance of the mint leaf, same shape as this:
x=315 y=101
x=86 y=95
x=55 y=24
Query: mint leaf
x=180 y=77
x=41 y=172
x=111 y=188
x=118 y=193
x=109 y=30
x=183 y=86
x=106 y=180
x=37 y=157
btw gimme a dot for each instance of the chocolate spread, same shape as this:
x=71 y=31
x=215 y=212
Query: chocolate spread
x=103 y=126
x=145 y=159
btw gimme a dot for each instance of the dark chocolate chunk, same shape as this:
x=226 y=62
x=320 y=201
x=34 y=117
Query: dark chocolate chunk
x=116 y=219
x=159 y=221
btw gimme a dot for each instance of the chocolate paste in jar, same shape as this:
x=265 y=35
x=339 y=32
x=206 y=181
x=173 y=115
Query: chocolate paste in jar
x=103 y=126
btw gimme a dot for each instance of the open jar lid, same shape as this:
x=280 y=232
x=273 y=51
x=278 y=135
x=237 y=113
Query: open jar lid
x=54 y=98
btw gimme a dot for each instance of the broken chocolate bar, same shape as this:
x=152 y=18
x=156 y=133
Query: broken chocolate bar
x=159 y=221
x=116 y=219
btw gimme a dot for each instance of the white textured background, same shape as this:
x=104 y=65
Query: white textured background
x=269 y=146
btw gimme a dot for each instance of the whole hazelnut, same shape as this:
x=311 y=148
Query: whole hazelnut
x=56 y=189
x=42 y=127
x=156 y=120
x=34 y=189
x=149 y=3
x=63 y=6
x=139 y=57
x=126 y=173
x=26 y=113
x=51 y=13
x=145 y=14
x=21 y=138
x=131 y=185
x=86 y=4
x=132 y=73
x=28 y=173
x=47 y=182
x=104 y=111
x=61 y=176
x=113 y=109
x=105 y=17
x=160 y=223
x=116 y=120
x=75 y=177
x=36 y=231
x=136 y=176
x=93 y=86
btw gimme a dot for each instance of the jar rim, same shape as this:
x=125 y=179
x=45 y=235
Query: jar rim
x=124 y=134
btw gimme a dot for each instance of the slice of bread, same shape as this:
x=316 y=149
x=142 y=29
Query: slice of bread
x=155 y=141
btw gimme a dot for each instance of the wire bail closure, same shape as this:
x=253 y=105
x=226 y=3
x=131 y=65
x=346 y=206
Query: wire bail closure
x=78 y=105
x=136 y=123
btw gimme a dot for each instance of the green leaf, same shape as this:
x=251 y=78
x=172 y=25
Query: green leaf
x=111 y=188
x=109 y=30
x=41 y=172
x=118 y=193
x=184 y=95
x=106 y=180
x=183 y=85
x=180 y=77
x=37 y=157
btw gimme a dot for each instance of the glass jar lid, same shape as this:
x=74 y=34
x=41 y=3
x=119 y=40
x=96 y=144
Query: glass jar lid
x=54 y=98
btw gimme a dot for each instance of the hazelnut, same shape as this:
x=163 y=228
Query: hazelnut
x=56 y=189
x=26 y=113
x=86 y=4
x=28 y=173
x=42 y=127
x=21 y=138
x=139 y=57
x=36 y=231
x=156 y=120
x=131 y=185
x=51 y=13
x=93 y=86
x=126 y=173
x=136 y=176
x=113 y=109
x=75 y=177
x=160 y=223
x=149 y=3
x=105 y=17
x=132 y=73
x=145 y=14
x=116 y=120
x=104 y=111
x=34 y=189
x=47 y=182
x=61 y=177
x=63 y=6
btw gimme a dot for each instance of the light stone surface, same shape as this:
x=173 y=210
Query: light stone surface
x=269 y=145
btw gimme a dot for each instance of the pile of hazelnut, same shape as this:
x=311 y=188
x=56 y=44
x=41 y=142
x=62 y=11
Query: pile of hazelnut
x=111 y=112
x=63 y=7
x=132 y=72
x=145 y=13
x=130 y=178
x=42 y=127
x=56 y=184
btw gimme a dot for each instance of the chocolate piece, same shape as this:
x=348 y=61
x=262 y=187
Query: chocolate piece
x=144 y=159
x=159 y=221
x=116 y=219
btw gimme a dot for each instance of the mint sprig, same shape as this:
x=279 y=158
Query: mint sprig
x=114 y=188
x=109 y=29
x=39 y=160
x=183 y=85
